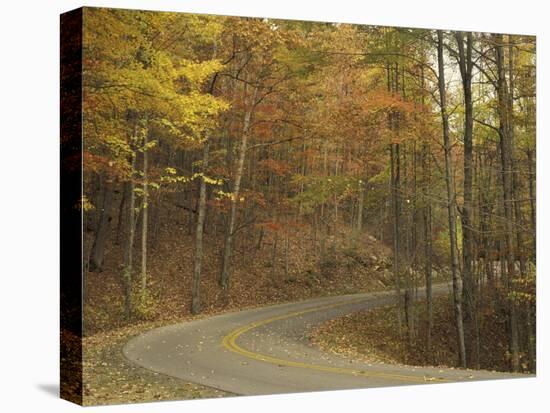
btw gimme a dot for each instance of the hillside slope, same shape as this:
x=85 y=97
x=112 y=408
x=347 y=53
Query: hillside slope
x=261 y=275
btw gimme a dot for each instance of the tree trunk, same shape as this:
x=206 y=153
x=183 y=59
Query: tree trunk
x=226 y=260
x=145 y=215
x=303 y=173
x=274 y=255
x=197 y=262
x=360 y=203
x=129 y=247
x=395 y=176
x=507 y=182
x=532 y=197
x=102 y=233
x=451 y=203
x=465 y=65
x=427 y=221
x=427 y=212
x=414 y=237
x=201 y=211
x=408 y=271
x=260 y=239
x=156 y=221
x=287 y=248
x=120 y=220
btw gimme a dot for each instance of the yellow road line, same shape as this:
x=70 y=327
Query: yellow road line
x=230 y=342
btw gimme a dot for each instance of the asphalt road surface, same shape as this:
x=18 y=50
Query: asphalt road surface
x=266 y=351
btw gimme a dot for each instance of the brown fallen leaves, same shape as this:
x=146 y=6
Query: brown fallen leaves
x=111 y=379
x=258 y=276
x=373 y=336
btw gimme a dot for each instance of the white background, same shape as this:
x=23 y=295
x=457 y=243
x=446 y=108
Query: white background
x=29 y=192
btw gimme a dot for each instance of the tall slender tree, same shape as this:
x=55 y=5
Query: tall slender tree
x=451 y=201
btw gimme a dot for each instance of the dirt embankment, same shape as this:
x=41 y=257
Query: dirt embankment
x=267 y=274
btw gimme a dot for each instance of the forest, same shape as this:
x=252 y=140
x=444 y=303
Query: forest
x=231 y=162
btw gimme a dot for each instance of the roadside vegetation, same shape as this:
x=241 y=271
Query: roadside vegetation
x=373 y=336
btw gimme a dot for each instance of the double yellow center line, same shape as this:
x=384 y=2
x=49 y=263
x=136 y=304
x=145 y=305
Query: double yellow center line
x=230 y=342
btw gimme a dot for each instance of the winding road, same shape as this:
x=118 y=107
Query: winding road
x=266 y=351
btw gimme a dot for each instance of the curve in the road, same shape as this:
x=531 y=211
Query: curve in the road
x=267 y=351
x=230 y=342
